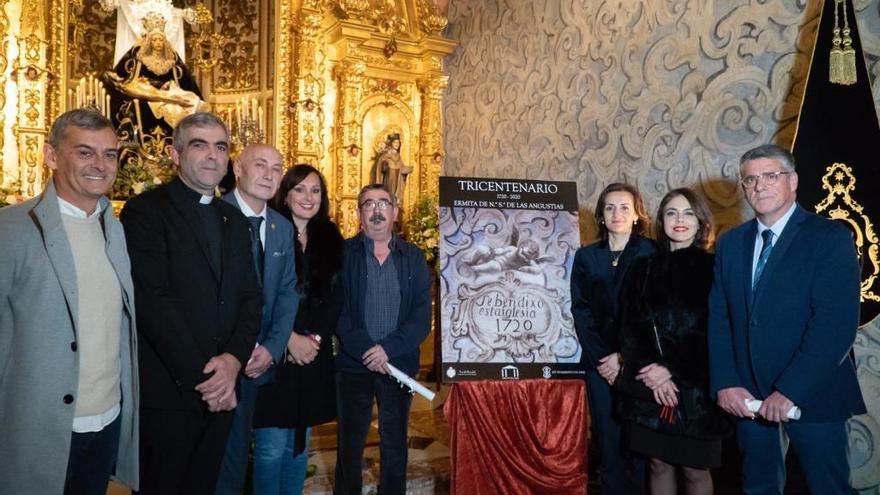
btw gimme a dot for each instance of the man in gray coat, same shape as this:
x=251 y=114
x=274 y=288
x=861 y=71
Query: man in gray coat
x=68 y=373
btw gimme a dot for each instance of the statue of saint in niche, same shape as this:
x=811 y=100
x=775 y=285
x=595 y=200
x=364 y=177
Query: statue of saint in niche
x=390 y=169
x=154 y=89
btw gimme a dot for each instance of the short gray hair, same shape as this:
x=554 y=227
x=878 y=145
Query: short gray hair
x=198 y=119
x=377 y=187
x=83 y=118
x=771 y=151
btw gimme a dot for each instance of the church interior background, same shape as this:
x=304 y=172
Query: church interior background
x=658 y=93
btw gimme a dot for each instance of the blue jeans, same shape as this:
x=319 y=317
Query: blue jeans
x=276 y=470
x=92 y=459
x=620 y=472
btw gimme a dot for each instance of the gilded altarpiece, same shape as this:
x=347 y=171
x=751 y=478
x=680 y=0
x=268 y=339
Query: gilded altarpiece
x=333 y=78
x=365 y=70
x=47 y=46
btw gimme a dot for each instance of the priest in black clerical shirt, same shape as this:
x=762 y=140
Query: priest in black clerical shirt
x=198 y=312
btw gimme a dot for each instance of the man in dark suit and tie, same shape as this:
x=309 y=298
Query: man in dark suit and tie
x=199 y=311
x=784 y=310
x=258 y=174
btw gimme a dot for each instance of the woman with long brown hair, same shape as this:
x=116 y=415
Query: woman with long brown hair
x=663 y=387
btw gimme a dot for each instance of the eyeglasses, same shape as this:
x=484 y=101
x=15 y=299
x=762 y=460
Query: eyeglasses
x=371 y=204
x=768 y=178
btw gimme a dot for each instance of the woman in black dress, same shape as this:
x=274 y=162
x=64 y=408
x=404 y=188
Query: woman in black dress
x=596 y=279
x=304 y=392
x=664 y=383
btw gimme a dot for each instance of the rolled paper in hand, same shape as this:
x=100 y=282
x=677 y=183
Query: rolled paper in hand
x=413 y=385
x=754 y=406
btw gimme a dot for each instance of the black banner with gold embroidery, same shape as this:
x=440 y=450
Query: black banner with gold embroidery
x=835 y=142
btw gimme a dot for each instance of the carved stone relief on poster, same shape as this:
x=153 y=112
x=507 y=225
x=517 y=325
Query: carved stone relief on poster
x=506 y=250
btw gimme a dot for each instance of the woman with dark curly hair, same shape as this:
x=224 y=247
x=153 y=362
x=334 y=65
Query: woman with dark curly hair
x=304 y=392
x=664 y=396
x=596 y=279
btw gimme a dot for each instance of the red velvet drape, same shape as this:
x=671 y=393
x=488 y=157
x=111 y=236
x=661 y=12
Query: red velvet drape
x=518 y=437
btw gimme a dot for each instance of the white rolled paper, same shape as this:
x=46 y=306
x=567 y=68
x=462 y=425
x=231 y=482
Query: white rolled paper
x=413 y=385
x=754 y=406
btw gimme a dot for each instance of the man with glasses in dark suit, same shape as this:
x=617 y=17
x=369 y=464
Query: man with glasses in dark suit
x=783 y=314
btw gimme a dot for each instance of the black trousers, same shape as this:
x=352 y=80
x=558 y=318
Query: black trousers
x=355 y=393
x=181 y=451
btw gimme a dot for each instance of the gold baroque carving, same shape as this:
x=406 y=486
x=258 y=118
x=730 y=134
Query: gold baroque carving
x=353 y=8
x=308 y=25
x=381 y=13
x=32 y=16
x=32 y=98
x=433 y=87
x=389 y=87
x=388 y=62
x=282 y=74
x=91 y=40
x=430 y=18
x=4 y=63
x=308 y=89
x=431 y=150
x=314 y=4
x=348 y=130
x=31 y=157
x=239 y=22
x=32 y=48
x=377 y=57
x=55 y=86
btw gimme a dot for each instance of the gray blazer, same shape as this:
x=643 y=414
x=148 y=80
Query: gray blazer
x=38 y=362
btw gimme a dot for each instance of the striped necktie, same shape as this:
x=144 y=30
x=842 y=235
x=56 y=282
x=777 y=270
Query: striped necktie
x=767 y=237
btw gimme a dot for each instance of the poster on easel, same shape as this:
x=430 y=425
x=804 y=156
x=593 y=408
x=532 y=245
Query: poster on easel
x=506 y=252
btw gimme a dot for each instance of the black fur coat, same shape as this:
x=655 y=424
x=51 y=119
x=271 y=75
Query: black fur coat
x=306 y=395
x=669 y=291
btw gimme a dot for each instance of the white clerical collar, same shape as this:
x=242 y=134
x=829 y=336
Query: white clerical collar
x=205 y=200
x=246 y=210
x=70 y=210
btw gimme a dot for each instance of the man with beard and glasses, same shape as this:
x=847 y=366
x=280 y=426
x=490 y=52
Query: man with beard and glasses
x=386 y=314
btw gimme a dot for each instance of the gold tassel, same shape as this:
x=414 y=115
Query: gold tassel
x=842 y=59
x=848 y=74
x=835 y=60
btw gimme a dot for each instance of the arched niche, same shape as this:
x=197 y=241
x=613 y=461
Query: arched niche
x=379 y=117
